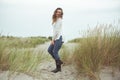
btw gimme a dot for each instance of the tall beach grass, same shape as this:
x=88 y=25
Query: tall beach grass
x=98 y=48
x=18 y=55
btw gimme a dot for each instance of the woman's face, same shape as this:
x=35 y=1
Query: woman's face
x=58 y=13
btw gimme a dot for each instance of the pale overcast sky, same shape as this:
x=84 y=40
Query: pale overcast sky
x=33 y=17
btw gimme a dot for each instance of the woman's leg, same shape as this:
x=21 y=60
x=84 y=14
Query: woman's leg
x=50 y=50
x=57 y=46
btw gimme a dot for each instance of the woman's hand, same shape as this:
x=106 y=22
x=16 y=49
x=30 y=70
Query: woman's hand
x=52 y=42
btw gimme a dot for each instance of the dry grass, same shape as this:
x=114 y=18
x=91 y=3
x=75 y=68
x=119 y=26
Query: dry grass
x=15 y=58
x=99 y=47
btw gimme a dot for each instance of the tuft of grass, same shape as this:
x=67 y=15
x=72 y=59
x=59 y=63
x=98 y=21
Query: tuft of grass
x=24 y=60
x=17 y=57
x=64 y=54
x=98 y=47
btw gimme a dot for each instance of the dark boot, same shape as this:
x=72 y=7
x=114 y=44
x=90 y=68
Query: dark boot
x=61 y=62
x=55 y=68
x=58 y=66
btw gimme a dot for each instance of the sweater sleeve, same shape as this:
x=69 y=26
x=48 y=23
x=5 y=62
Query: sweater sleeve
x=57 y=29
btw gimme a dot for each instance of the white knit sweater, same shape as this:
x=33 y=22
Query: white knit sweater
x=57 y=29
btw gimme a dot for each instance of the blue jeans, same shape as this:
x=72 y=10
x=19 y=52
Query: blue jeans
x=54 y=49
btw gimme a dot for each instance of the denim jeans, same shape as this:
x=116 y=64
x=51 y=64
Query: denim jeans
x=54 y=49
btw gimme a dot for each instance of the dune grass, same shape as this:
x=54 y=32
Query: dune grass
x=17 y=55
x=64 y=54
x=22 y=42
x=98 y=48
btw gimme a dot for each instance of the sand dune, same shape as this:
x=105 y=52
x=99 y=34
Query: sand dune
x=68 y=72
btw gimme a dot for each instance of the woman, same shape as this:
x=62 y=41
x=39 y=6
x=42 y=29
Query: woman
x=57 y=40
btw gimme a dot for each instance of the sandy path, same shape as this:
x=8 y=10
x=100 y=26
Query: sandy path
x=68 y=71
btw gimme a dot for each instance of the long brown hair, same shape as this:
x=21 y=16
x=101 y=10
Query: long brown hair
x=54 y=18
